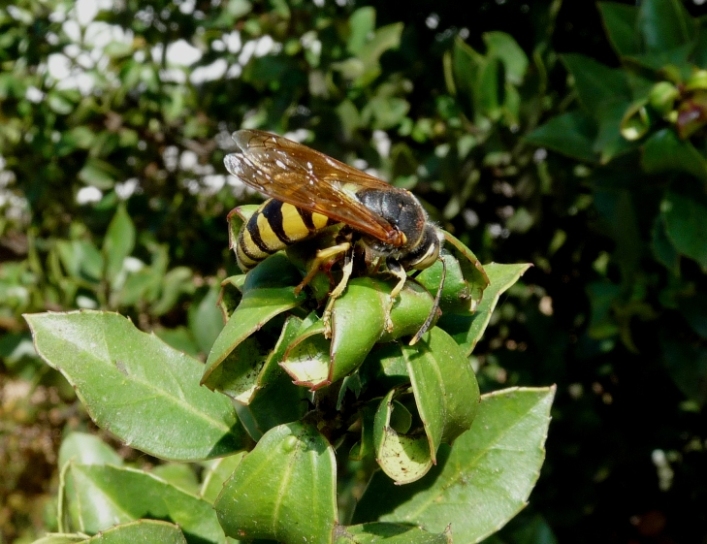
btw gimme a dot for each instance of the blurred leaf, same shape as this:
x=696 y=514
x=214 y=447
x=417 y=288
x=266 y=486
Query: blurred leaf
x=98 y=497
x=571 y=134
x=597 y=85
x=694 y=310
x=81 y=259
x=216 y=474
x=362 y=23
x=620 y=22
x=663 y=249
x=664 y=152
x=119 y=242
x=127 y=380
x=687 y=365
x=98 y=173
x=506 y=49
x=86 y=449
x=206 y=320
x=684 y=215
x=263 y=498
x=665 y=24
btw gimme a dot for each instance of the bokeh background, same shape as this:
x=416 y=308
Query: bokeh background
x=534 y=131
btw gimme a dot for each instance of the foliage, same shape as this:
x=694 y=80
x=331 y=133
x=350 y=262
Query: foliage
x=113 y=197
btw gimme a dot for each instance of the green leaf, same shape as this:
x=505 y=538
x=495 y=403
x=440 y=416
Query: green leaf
x=173 y=284
x=462 y=74
x=665 y=24
x=145 y=530
x=274 y=399
x=687 y=365
x=128 y=380
x=489 y=88
x=235 y=357
x=571 y=134
x=62 y=538
x=285 y=489
x=118 y=243
x=405 y=458
x=480 y=482
x=81 y=259
x=684 y=214
x=362 y=23
x=445 y=387
x=98 y=173
x=391 y=533
x=665 y=152
x=620 y=22
x=504 y=47
x=216 y=474
x=694 y=309
x=180 y=475
x=357 y=322
x=663 y=249
x=308 y=358
x=468 y=329
x=98 y=497
x=597 y=85
x=87 y=449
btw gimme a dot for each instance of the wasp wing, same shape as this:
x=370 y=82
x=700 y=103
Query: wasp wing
x=296 y=174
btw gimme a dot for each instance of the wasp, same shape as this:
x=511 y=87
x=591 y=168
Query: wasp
x=309 y=192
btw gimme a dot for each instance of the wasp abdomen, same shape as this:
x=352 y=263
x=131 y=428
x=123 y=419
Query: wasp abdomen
x=274 y=226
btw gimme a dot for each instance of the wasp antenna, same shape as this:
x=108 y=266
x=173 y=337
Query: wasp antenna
x=435 y=306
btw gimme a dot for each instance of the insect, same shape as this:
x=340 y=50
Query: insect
x=309 y=192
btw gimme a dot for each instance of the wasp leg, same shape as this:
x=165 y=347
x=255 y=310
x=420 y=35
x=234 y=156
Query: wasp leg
x=395 y=268
x=338 y=291
x=323 y=255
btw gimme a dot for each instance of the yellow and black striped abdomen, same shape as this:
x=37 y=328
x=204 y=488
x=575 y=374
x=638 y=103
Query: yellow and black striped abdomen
x=274 y=226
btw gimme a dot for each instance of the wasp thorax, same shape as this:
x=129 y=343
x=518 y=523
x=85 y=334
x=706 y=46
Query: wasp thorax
x=402 y=210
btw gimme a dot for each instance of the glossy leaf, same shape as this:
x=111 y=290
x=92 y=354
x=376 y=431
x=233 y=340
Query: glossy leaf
x=357 y=322
x=97 y=497
x=446 y=392
x=264 y=497
x=128 y=380
x=481 y=481
x=275 y=399
x=235 y=358
x=467 y=330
